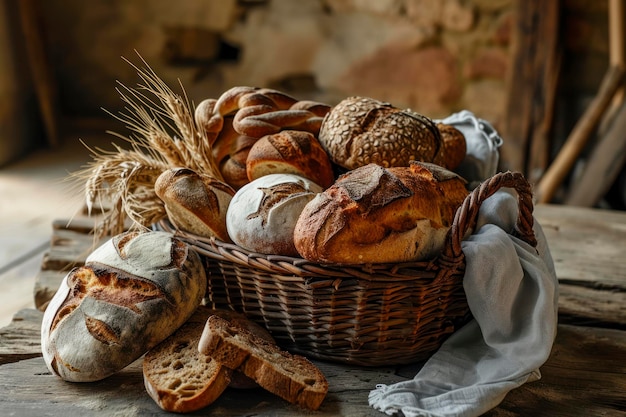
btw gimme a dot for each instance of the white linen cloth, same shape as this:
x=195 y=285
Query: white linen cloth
x=482 y=140
x=512 y=292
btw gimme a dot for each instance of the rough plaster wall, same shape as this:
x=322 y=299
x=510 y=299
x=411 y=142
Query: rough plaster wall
x=435 y=56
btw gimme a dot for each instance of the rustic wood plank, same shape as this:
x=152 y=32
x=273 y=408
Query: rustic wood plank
x=20 y=339
x=587 y=245
x=585 y=375
x=592 y=307
x=27 y=388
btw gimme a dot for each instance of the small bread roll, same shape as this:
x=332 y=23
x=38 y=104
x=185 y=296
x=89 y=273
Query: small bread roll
x=290 y=152
x=194 y=202
x=263 y=213
x=361 y=130
x=133 y=292
x=378 y=215
x=454 y=147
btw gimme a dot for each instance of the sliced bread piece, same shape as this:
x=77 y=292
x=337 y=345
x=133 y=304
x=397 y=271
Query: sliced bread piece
x=291 y=377
x=179 y=379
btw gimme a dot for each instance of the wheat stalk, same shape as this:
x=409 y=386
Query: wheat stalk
x=163 y=135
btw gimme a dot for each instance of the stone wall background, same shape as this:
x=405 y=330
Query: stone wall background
x=434 y=56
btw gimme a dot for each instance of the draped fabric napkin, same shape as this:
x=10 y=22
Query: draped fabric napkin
x=483 y=141
x=512 y=292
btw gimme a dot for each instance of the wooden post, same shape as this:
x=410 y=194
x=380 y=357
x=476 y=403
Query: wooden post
x=616 y=41
x=604 y=164
x=40 y=70
x=579 y=136
x=532 y=87
x=600 y=111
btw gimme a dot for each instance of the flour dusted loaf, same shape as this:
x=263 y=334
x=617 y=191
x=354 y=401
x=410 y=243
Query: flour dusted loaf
x=132 y=293
x=263 y=213
x=194 y=202
x=181 y=379
x=362 y=130
x=291 y=377
x=378 y=215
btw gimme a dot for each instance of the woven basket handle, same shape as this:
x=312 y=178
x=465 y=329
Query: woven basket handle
x=467 y=214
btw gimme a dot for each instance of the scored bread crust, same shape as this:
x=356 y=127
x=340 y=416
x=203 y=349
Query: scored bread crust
x=263 y=213
x=291 y=152
x=132 y=293
x=292 y=377
x=194 y=202
x=377 y=215
x=180 y=379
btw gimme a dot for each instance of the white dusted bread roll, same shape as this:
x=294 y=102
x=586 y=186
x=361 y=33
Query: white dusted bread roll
x=378 y=215
x=132 y=293
x=263 y=213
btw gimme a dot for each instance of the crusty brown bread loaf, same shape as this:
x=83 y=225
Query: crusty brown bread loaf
x=263 y=213
x=132 y=293
x=378 y=215
x=181 y=379
x=291 y=152
x=362 y=130
x=194 y=202
x=291 y=377
x=454 y=147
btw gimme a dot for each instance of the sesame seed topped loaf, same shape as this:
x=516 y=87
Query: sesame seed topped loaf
x=361 y=130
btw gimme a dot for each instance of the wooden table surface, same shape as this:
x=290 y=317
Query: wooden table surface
x=584 y=376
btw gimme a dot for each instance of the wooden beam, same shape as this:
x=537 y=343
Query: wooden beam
x=532 y=84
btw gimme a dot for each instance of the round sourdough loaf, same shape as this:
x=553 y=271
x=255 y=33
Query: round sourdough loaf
x=132 y=293
x=194 y=202
x=263 y=213
x=378 y=215
x=290 y=152
x=362 y=130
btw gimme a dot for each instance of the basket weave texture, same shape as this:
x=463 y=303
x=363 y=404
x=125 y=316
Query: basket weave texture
x=370 y=315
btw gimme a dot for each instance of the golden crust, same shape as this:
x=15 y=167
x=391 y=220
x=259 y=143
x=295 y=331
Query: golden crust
x=378 y=215
x=291 y=152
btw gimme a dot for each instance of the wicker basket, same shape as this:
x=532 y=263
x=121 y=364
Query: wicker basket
x=367 y=315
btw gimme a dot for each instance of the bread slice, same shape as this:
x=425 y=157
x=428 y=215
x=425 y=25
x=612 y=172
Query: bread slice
x=179 y=379
x=291 y=377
